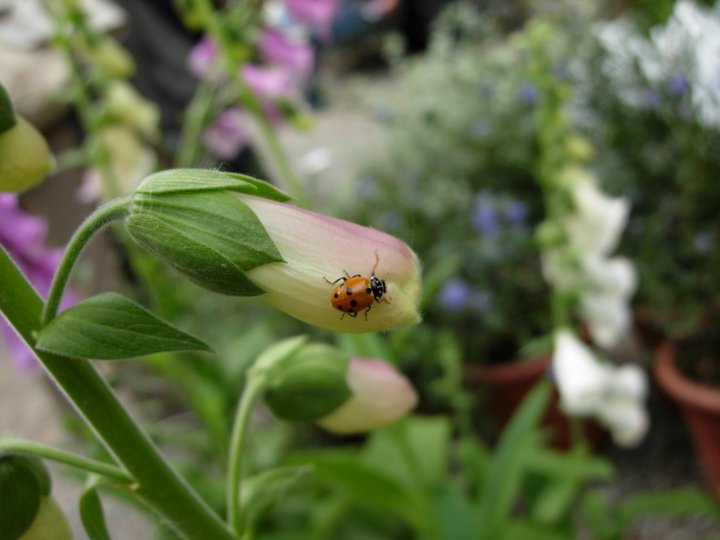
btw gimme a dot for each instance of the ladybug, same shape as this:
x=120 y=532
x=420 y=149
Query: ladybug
x=356 y=293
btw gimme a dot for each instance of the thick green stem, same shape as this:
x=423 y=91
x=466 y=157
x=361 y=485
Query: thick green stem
x=155 y=481
x=66 y=458
x=114 y=210
x=253 y=389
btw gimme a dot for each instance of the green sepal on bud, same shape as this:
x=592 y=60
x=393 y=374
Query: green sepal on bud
x=304 y=381
x=24 y=482
x=190 y=218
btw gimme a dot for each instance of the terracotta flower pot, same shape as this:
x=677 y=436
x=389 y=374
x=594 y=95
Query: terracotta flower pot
x=700 y=408
x=504 y=387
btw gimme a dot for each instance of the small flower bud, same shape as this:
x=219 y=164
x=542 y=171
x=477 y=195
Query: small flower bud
x=25 y=157
x=27 y=511
x=251 y=243
x=308 y=383
x=380 y=396
x=111 y=59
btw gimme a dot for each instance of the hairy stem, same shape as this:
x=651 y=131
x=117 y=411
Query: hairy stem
x=112 y=211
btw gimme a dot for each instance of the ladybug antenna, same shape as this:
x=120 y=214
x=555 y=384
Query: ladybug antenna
x=377 y=261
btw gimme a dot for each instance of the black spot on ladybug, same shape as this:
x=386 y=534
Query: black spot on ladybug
x=368 y=290
x=348 y=291
x=353 y=302
x=337 y=295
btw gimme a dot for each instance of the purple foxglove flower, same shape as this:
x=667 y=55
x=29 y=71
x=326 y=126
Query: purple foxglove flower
x=317 y=14
x=279 y=49
x=268 y=82
x=202 y=56
x=380 y=396
x=227 y=134
x=23 y=237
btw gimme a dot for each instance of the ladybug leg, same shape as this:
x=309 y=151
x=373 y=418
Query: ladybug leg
x=366 y=311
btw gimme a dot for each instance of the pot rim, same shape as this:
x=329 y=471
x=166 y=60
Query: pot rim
x=534 y=366
x=679 y=387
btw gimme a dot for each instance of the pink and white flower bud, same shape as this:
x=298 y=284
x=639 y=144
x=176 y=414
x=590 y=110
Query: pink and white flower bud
x=380 y=396
x=318 y=248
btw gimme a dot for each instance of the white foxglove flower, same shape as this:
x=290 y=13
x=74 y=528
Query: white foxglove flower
x=591 y=388
x=579 y=376
x=604 y=303
x=598 y=220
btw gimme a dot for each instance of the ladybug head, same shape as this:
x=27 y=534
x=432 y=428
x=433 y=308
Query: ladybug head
x=377 y=286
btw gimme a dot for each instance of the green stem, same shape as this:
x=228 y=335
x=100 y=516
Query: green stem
x=253 y=389
x=156 y=482
x=114 y=210
x=67 y=458
x=193 y=123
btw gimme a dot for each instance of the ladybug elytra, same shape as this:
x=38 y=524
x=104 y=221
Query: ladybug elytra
x=356 y=293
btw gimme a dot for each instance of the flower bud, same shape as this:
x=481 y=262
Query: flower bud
x=25 y=158
x=380 y=396
x=251 y=243
x=111 y=58
x=27 y=511
x=308 y=383
x=133 y=110
x=317 y=249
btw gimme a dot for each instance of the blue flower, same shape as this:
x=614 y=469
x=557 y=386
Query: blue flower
x=529 y=93
x=677 y=84
x=651 y=99
x=484 y=216
x=516 y=212
x=454 y=295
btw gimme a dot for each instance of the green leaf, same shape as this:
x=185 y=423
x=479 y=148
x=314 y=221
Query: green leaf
x=197 y=180
x=414 y=451
x=91 y=514
x=368 y=486
x=670 y=503
x=261 y=491
x=7 y=114
x=111 y=327
x=598 y=517
x=213 y=238
x=506 y=467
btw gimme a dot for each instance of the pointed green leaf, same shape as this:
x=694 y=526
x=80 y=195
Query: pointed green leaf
x=110 y=327
x=92 y=515
x=518 y=442
x=261 y=491
x=186 y=180
x=7 y=114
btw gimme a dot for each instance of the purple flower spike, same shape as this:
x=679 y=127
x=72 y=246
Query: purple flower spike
x=268 y=82
x=295 y=55
x=202 y=56
x=317 y=14
x=227 y=135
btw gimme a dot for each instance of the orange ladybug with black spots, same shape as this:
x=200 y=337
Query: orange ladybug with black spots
x=357 y=293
